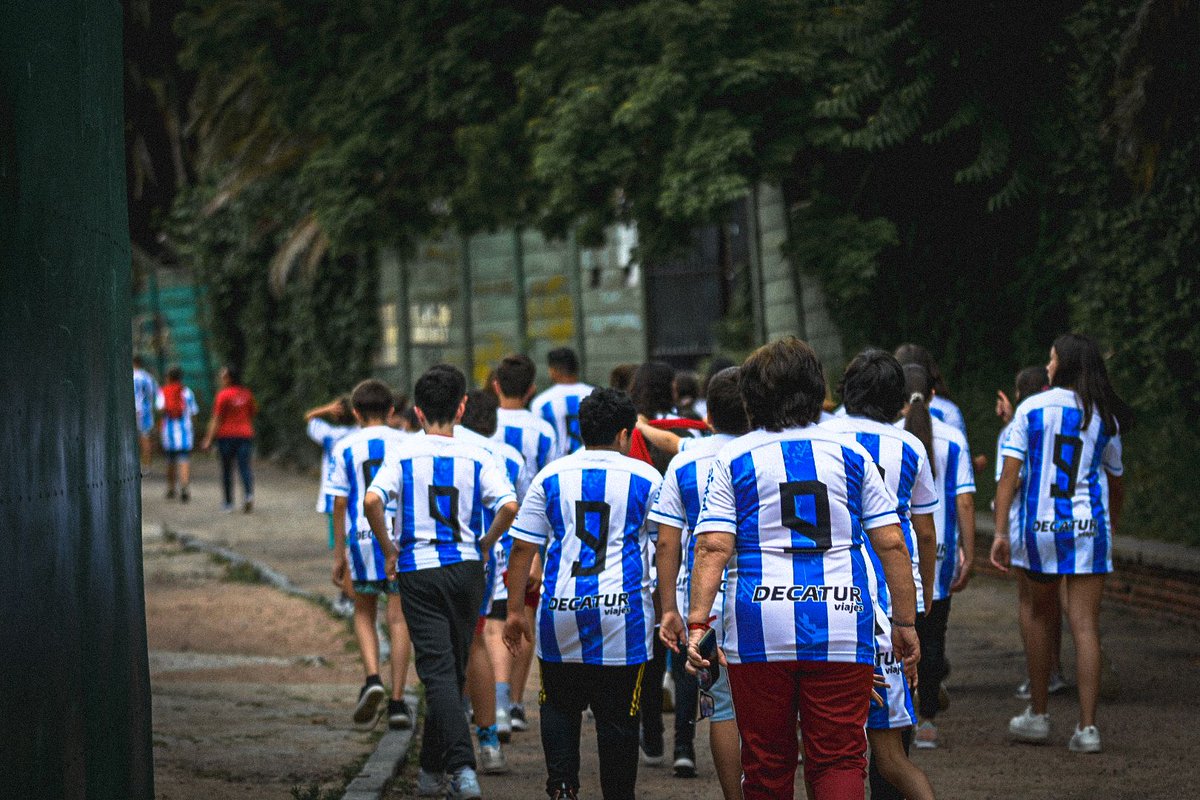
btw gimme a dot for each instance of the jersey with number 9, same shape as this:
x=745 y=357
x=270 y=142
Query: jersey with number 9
x=1066 y=529
x=799 y=503
x=590 y=510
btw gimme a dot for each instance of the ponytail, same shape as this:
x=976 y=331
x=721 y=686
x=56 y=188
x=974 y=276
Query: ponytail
x=919 y=385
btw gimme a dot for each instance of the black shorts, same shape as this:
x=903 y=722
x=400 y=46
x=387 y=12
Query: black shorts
x=499 y=610
x=1040 y=577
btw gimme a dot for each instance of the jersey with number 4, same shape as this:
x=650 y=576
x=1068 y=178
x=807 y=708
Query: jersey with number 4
x=441 y=487
x=799 y=503
x=591 y=510
x=357 y=459
x=1066 y=528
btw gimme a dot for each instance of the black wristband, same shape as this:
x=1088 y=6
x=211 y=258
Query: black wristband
x=904 y=624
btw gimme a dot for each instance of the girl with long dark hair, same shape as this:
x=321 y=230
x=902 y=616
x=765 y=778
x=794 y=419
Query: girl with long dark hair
x=1063 y=451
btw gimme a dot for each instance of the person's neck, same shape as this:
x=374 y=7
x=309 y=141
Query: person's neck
x=374 y=423
x=567 y=380
x=608 y=448
x=440 y=429
x=511 y=403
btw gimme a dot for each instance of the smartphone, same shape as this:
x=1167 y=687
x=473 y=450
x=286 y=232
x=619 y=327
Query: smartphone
x=707 y=648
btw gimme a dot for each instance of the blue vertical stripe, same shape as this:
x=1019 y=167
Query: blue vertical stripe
x=689 y=492
x=375 y=453
x=854 y=466
x=543 y=451
x=358 y=566
x=811 y=619
x=408 y=524
x=636 y=508
x=750 y=643
x=591 y=632
x=574 y=437
x=945 y=575
x=547 y=634
x=514 y=437
x=447 y=547
x=481 y=518
x=1100 y=543
x=1035 y=444
x=904 y=490
x=1064 y=507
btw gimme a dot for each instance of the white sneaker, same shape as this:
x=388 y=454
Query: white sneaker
x=492 y=760
x=1085 y=740
x=926 y=736
x=430 y=784
x=1030 y=727
x=504 y=726
x=668 y=685
x=464 y=785
x=1057 y=686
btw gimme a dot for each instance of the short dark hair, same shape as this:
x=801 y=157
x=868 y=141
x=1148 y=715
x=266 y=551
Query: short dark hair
x=138 y=361
x=235 y=374
x=372 y=399
x=873 y=386
x=515 y=375
x=653 y=388
x=725 y=408
x=480 y=413
x=782 y=385
x=621 y=376
x=603 y=414
x=564 y=360
x=687 y=385
x=400 y=401
x=175 y=373
x=438 y=393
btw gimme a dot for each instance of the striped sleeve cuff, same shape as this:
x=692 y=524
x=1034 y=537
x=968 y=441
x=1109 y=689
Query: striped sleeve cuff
x=1012 y=452
x=381 y=492
x=922 y=507
x=508 y=497
x=716 y=525
x=526 y=536
x=663 y=518
x=880 y=520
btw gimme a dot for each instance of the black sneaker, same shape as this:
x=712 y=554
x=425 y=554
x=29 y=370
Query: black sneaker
x=652 y=753
x=366 y=713
x=685 y=760
x=400 y=716
x=563 y=792
x=516 y=717
x=170 y=495
x=184 y=495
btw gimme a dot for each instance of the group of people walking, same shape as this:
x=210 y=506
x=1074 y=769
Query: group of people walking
x=797 y=565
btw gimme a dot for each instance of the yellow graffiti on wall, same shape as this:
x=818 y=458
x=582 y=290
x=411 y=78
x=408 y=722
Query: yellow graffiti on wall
x=550 y=310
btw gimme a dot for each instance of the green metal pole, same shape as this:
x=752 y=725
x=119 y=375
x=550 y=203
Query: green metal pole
x=74 y=679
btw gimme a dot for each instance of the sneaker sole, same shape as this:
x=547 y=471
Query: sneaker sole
x=399 y=724
x=925 y=745
x=520 y=727
x=653 y=761
x=499 y=769
x=684 y=768
x=1084 y=750
x=1026 y=738
x=366 y=713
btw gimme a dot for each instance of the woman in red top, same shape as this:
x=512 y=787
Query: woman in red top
x=232 y=425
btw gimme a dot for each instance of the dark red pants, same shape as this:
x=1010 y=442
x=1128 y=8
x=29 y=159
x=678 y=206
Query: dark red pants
x=831 y=699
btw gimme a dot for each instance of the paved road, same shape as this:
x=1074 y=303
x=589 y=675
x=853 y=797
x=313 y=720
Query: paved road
x=1149 y=733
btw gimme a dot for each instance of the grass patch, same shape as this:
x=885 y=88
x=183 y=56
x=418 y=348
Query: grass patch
x=243 y=572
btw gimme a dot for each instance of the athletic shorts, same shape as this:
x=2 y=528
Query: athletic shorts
x=1040 y=577
x=376 y=587
x=177 y=456
x=897 y=710
x=722 y=699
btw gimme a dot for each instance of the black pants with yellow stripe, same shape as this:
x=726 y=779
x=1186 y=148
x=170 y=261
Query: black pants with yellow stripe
x=613 y=693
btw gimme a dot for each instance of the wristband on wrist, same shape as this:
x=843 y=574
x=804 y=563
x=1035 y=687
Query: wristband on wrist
x=899 y=624
x=698 y=626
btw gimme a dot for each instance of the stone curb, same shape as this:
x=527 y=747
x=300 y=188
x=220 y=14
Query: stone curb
x=392 y=749
x=385 y=763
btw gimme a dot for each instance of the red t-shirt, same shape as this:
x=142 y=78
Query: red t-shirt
x=236 y=409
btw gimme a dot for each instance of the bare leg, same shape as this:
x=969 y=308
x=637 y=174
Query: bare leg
x=401 y=645
x=502 y=660
x=1043 y=609
x=1084 y=614
x=481 y=684
x=1064 y=606
x=726 y=748
x=185 y=474
x=170 y=477
x=364 y=630
x=146 y=450
x=1025 y=616
x=887 y=747
x=523 y=660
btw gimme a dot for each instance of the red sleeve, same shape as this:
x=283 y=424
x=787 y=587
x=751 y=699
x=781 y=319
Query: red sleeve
x=219 y=404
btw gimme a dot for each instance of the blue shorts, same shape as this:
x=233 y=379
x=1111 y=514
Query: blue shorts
x=177 y=456
x=722 y=699
x=897 y=710
x=376 y=587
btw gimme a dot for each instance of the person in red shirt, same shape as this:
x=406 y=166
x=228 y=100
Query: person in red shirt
x=232 y=425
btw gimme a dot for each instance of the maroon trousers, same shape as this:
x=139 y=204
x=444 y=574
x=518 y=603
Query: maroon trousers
x=831 y=700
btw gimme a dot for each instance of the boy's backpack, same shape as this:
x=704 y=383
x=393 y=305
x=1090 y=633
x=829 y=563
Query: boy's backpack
x=173 y=405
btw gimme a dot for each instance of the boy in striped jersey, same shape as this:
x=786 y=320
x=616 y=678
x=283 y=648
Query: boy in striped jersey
x=596 y=619
x=535 y=438
x=145 y=389
x=676 y=511
x=559 y=405
x=177 y=404
x=357 y=557
x=441 y=487
x=326 y=426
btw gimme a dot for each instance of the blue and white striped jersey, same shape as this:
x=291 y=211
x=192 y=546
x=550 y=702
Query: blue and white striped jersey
x=559 y=406
x=678 y=505
x=901 y=460
x=1016 y=511
x=533 y=436
x=953 y=475
x=357 y=460
x=441 y=487
x=145 y=390
x=799 y=503
x=945 y=410
x=1066 y=528
x=177 y=434
x=327 y=435
x=512 y=462
x=591 y=510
